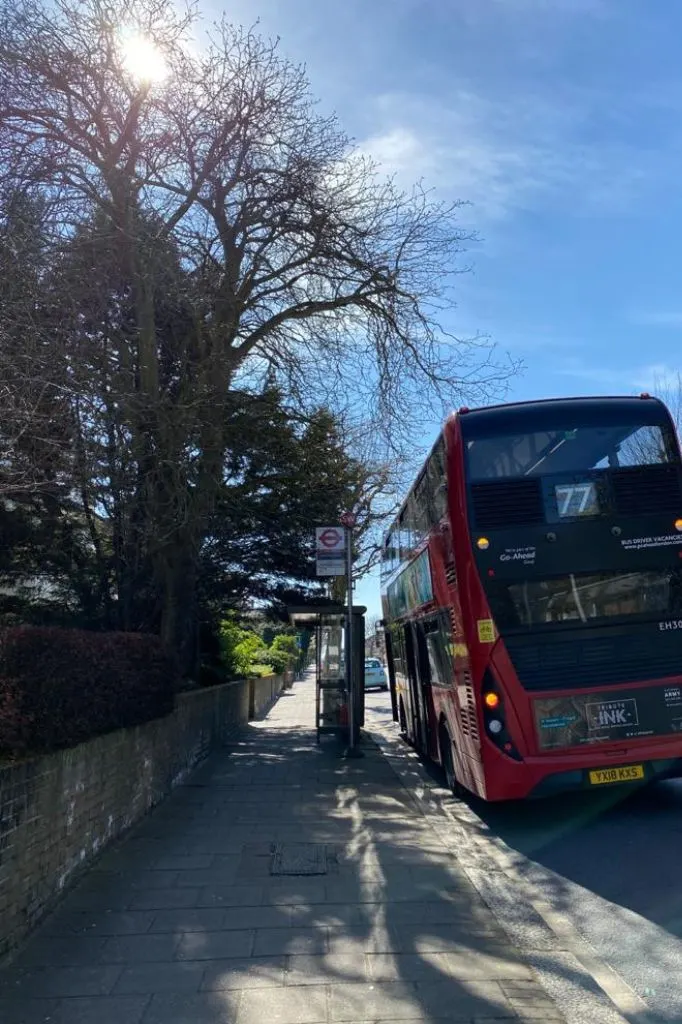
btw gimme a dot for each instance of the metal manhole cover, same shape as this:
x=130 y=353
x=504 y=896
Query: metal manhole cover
x=298 y=859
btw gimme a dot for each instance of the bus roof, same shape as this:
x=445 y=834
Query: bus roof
x=548 y=412
x=551 y=412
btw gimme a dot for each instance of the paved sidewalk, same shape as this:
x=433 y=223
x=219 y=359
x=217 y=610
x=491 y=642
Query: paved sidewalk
x=184 y=922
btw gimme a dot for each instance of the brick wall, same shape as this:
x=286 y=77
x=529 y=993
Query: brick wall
x=59 y=811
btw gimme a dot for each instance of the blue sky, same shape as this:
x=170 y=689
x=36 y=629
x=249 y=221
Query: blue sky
x=560 y=121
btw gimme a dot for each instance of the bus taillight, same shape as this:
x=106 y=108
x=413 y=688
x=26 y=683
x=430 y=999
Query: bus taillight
x=494 y=717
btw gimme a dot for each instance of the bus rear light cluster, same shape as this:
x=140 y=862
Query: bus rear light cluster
x=494 y=717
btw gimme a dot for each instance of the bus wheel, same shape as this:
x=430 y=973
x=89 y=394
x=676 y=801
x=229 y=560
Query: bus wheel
x=448 y=762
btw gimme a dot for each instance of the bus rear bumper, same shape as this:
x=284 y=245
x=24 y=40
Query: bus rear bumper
x=537 y=777
x=579 y=778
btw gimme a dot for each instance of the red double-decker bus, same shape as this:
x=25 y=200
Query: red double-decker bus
x=532 y=598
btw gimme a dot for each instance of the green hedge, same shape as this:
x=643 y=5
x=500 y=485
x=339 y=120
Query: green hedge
x=59 y=687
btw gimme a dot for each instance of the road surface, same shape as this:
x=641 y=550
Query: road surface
x=612 y=865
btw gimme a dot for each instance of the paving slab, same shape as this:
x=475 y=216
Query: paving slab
x=58 y=982
x=146 y=979
x=326 y=969
x=65 y=922
x=279 y=942
x=113 y=1009
x=281 y=884
x=254 y=972
x=26 y=1010
x=284 y=1006
x=57 y=951
x=214 y=945
x=202 y=919
x=207 y=1008
x=133 y=949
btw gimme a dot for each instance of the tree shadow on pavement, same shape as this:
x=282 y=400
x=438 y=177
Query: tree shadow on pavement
x=184 y=921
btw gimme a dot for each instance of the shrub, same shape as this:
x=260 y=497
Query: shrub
x=283 y=653
x=59 y=687
x=287 y=645
x=242 y=649
x=278 y=660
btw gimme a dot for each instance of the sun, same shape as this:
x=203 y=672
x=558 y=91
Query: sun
x=142 y=58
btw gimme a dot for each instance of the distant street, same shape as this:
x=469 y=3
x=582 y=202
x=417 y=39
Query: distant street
x=617 y=867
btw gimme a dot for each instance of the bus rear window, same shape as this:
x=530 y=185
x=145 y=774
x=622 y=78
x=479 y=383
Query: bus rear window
x=582 y=598
x=569 y=451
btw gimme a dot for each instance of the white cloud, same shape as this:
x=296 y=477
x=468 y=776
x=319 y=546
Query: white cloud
x=657 y=378
x=503 y=156
x=468 y=166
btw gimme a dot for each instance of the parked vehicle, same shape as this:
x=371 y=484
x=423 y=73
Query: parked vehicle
x=375 y=675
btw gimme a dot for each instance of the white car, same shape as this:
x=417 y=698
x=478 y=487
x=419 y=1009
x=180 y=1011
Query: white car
x=375 y=675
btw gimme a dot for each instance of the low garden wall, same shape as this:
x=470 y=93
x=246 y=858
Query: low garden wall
x=58 y=811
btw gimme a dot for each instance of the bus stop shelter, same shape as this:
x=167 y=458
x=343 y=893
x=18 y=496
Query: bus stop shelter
x=329 y=623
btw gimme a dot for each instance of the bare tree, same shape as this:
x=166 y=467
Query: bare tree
x=669 y=390
x=33 y=434
x=295 y=254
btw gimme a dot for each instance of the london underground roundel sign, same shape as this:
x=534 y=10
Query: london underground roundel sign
x=330 y=538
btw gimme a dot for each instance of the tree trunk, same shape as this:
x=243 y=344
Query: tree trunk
x=179 y=610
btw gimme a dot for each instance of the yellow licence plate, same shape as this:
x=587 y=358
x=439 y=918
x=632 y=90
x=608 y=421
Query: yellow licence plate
x=602 y=776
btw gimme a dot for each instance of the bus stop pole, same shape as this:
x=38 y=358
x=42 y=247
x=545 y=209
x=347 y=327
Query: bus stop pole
x=353 y=750
x=349 y=634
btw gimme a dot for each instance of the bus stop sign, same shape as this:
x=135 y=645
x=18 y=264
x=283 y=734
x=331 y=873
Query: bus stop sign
x=330 y=551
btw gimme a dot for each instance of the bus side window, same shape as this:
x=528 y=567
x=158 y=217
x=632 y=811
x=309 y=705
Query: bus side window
x=403 y=537
x=422 y=518
x=389 y=558
x=407 y=531
x=385 y=557
x=437 y=483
